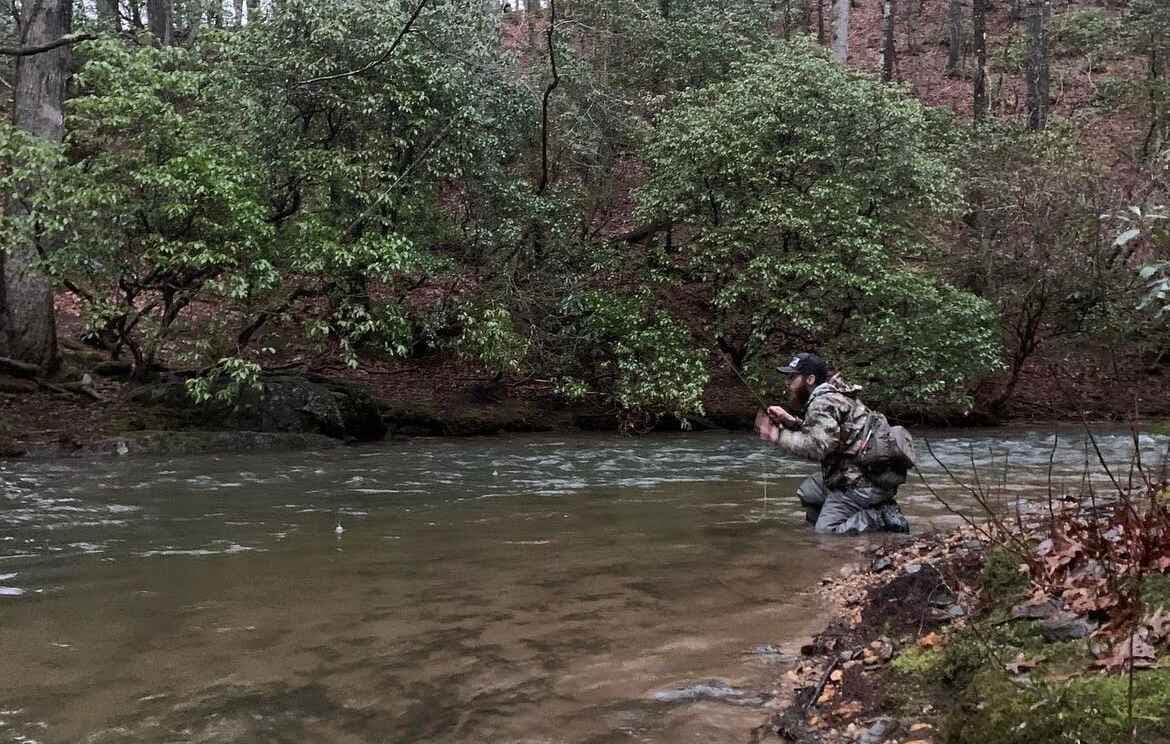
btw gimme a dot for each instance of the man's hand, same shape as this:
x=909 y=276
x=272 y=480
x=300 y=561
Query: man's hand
x=782 y=417
x=767 y=427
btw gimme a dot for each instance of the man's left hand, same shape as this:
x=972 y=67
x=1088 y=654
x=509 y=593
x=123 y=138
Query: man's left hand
x=782 y=417
x=767 y=427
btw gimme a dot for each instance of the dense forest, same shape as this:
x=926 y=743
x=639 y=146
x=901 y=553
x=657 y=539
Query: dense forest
x=617 y=201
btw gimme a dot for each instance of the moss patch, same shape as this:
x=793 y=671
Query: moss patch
x=1003 y=582
x=1156 y=591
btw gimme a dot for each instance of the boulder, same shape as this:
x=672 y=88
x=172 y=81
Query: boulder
x=286 y=403
x=1066 y=626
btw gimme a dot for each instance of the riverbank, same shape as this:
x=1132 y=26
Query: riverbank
x=91 y=408
x=1050 y=631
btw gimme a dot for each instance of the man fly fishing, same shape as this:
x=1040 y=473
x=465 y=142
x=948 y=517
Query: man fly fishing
x=863 y=459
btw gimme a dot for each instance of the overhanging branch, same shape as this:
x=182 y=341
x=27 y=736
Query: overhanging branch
x=28 y=51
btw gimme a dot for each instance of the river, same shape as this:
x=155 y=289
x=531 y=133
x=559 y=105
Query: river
x=520 y=589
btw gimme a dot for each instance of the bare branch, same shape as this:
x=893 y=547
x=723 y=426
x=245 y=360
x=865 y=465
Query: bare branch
x=556 y=79
x=28 y=51
x=382 y=58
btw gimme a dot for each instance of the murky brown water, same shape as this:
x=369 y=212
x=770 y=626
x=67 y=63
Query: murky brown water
x=515 y=590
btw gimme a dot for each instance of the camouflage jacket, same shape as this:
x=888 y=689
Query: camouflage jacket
x=834 y=422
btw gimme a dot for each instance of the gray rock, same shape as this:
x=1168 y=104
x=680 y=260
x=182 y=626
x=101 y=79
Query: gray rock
x=1066 y=626
x=287 y=403
x=881 y=730
x=882 y=564
x=1037 y=610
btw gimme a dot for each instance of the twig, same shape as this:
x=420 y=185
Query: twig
x=1021 y=549
x=1051 y=462
x=381 y=58
x=821 y=685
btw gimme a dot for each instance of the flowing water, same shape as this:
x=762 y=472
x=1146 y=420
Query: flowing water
x=581 y=589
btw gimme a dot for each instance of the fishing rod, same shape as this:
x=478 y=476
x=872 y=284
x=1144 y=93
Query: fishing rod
x=759 y=398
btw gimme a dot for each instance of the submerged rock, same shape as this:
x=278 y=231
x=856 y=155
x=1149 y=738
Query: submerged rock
x=710 y=689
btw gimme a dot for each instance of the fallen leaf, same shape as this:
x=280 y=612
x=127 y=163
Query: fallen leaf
x=1022 y=664
x=930 y=640
x=836 y=676
x=1134 y=651
x=1159 y=624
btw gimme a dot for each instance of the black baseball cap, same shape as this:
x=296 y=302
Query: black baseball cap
x=807 y=363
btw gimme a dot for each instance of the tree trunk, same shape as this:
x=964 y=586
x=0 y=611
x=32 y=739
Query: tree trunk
x=979 y=21
x=160 y=14
x=109 y=17
x=820 y=21
x=955 y=39
x=28 y=329
x=1036 y=70
x=255 y=12
x=215 y=13
x=135 y=13
x=888 y=50
x=237 y=13
x=840 y=43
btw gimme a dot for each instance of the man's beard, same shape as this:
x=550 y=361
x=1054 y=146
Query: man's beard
x=800 y=397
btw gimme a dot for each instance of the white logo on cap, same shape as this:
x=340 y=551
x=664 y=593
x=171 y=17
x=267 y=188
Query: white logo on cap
x=795 y=363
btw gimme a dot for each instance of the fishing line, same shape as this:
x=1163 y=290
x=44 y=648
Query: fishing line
x=764 y=408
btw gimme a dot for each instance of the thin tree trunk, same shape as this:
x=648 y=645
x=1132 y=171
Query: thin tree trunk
x=1036 y=70
x=255 y=12
x=160 y=14
x=109 y=18
x=909 y=22
x=888 y=51
x=840 y=43
x=1154 y=135
x=820 y=21
x=215 y=13
x=135 y=13
x=237 y=13
x=28 y=329
x=979 y=21
x=955 y=39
